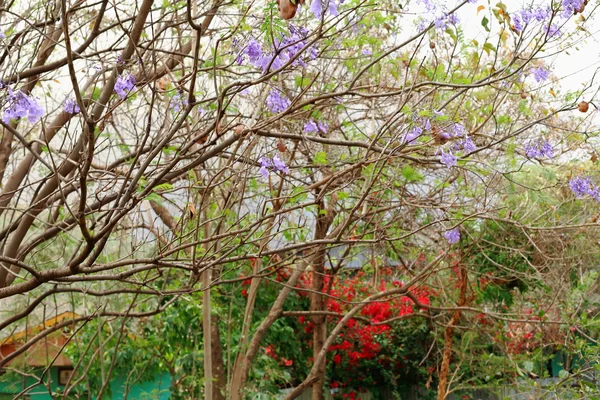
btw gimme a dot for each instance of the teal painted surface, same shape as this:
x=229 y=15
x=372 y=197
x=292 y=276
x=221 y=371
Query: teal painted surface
x=151 y=390
x=12 y=384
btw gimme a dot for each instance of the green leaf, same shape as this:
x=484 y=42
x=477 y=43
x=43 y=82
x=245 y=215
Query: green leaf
x=484 y=23
x=320 y=158
x=410 y=174
x=342 y=195
x=488 y=47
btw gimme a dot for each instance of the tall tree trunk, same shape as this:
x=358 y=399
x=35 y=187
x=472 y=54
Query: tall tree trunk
x=448 y=336
x=206 y=326
x=218 y=371
x=317 y=300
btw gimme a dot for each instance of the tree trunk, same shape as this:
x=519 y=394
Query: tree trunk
x=448 y=339
x=317 y=300
x=218 y=370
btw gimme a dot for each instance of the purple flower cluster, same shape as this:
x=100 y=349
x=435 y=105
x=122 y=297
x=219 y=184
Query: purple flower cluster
x=553 y=31
x=581 y=187
x=124 y=85
x=179 y=102
x=540 y=74
x=285 y=50
x=527 y=16
x=452 y=236
x=2 y=35
x=275 y=164
x=19 y=105
x=448 y=159
x=466 y=144
x=413 y=134
x=441 y=18
x=252 y=52
x=277 y=102
x=71 y=106
x=316 y=7
x=570 y=6
x=314 y=127
x=539 y=149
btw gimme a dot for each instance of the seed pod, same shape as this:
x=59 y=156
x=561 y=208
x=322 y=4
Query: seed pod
x=523 y=95
x=432 y=45
x=239 y=129
x=583 y=106
x=281 y=146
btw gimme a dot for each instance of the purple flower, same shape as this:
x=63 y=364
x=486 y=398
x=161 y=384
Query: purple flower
x=286 y=49
x=541 y=14
x=468 y=145
x=124 y=85
x=412 y=135
x=311 y=126
x=314 y=127
x=539 y=149
x=440 y=22
x=2 y=35
x=316 y=7
x=277 y=102
x=252 y=50
x=452 y=236
x=448 y=159
x=71 y=106
x=429 y=5
x=276 y=164
x=583 y=186
x=453 y=19
x=426 y=124
x=458 y=130
x=120 y=60
x=265 y=164
x=570 y=6
x=517 y=22
x=178 y=102
x=540 y=74
x=527 y=16
x=367 y=51
x=553 y=31
x=20 y=105
x=279 y=165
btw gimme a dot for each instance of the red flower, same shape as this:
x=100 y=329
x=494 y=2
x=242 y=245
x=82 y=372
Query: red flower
x=337 y=359
x=288 y=363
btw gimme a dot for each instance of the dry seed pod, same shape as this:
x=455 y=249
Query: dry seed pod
x=583 y=106
x=287 y=8
x=239 y=129
x=281 y=146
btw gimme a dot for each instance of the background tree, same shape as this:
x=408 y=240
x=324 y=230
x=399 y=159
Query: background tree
x=204 y=166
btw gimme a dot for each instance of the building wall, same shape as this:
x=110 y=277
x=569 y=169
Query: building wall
x=11 y=385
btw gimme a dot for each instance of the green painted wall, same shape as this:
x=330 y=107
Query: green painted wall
x=12 y=384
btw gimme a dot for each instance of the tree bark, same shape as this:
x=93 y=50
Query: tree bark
x=218 y=371
x=317 y=300
x=448 y=337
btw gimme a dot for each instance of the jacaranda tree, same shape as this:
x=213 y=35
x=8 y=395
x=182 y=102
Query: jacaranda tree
x=211 y=171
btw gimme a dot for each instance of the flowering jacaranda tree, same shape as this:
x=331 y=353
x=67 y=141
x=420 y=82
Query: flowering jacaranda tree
x=159 y=154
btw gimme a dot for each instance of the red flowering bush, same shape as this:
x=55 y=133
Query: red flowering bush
x=369 y=353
